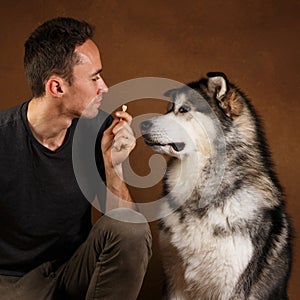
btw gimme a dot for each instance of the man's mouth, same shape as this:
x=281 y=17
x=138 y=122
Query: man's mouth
x=98 y=100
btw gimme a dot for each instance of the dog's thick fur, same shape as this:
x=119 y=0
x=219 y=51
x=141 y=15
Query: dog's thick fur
x=232 y=241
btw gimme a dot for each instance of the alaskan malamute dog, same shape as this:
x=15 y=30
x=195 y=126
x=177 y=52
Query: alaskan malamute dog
x=227 y=235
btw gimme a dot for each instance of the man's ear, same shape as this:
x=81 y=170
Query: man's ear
x=55 y=86
x=229 y=100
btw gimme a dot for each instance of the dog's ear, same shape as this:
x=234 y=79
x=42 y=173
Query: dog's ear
x=217 y=84
x=229 y=100
x=171 y=93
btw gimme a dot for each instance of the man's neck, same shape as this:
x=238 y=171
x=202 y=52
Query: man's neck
x=47 y=122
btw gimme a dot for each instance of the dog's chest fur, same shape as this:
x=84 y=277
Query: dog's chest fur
x=204 y=256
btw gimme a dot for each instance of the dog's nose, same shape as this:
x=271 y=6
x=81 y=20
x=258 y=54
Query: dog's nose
x=146 y=125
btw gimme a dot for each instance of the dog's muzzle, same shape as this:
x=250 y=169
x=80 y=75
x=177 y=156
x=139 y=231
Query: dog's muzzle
x=145 y=128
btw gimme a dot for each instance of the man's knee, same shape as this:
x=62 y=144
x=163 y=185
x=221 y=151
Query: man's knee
x=126 y=230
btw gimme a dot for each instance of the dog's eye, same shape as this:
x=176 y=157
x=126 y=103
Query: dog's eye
x=183 y=109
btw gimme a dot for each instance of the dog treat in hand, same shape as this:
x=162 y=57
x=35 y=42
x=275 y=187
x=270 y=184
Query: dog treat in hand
x=124 y=107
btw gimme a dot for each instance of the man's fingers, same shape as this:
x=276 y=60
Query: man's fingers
x=122 y=126
x=123 y=142
x=119 y=138
x=124 y=138
x=124 y=116
x=110 y=129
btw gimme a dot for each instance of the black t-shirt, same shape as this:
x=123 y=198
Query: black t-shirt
x=44 y=215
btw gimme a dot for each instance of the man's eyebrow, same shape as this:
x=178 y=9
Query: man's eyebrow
x=97 y=72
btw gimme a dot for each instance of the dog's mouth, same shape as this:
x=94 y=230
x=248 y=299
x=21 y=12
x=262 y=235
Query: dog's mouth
x=176 y=146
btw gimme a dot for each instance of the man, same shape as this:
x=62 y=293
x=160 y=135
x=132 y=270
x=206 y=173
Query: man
x=48 y=248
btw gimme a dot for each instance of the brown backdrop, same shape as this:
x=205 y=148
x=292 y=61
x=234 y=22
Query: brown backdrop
x=256 y=43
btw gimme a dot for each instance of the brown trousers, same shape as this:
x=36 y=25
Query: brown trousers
x=110 y=264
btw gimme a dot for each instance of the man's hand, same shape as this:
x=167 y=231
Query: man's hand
x=118 y=140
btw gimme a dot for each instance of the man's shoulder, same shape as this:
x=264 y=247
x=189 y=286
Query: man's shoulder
x=10 y=116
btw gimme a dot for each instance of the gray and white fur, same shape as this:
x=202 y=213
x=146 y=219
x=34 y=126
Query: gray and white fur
x=228 y=236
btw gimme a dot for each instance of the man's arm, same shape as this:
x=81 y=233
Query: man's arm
x=117 y=142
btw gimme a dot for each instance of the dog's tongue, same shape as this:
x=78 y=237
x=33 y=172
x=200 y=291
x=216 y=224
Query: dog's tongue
x=177 y=146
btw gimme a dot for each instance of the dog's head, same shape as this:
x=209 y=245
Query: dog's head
x=192 y=122
x=190 y=125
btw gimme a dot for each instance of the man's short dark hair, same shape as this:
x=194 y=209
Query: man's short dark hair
x=50 y=50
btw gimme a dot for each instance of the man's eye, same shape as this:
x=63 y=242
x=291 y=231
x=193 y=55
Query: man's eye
x=96 y=78
x=184 y=109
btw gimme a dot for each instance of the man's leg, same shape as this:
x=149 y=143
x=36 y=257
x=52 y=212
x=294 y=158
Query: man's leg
x=40 y=283
x=112 y=262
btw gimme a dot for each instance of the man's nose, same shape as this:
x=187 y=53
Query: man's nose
x=102 y=87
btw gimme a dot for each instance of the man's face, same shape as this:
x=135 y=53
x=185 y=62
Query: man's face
x=85 y=93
